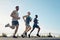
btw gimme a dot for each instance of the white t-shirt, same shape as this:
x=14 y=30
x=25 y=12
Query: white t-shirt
x=16 y=14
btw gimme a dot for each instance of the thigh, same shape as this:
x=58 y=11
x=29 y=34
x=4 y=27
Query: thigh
x=38 y=27
x=17 y=26
x=27 y=25
x=33 y=28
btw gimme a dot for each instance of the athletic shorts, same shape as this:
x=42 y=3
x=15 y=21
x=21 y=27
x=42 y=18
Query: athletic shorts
x=27 y=25
x=35 y=26
x=15 y=23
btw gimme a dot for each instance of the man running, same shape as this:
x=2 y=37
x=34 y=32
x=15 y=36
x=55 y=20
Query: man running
x=15 y=23
x=27 y=20
x=35 y=26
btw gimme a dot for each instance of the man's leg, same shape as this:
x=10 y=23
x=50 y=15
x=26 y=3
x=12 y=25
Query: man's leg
x=28 y=29
x=12 y=27
x=31 y=32
x=38 y=32
x=25 y=32
x=8 y=25
x=15 y=30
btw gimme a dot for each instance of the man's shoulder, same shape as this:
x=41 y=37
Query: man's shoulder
x=14 y=10
x=35 y=18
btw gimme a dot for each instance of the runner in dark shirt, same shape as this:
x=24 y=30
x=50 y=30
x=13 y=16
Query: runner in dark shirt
x=35 y=26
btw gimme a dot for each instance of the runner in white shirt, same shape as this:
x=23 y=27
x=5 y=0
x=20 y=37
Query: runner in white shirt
x=15 y=23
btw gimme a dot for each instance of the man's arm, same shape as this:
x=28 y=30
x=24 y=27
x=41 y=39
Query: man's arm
x=24 y=16
x=30 y=19
x=14 y=15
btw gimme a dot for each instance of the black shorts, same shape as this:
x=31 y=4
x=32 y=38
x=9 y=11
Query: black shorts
x=35 y=26
x=15 y=23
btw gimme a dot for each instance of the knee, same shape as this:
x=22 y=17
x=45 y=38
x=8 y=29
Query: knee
x=17 y=27
x=30 y=27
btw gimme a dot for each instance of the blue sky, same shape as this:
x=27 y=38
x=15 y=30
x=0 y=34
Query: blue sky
x=47 y=10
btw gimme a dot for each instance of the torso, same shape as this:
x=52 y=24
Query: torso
x=16 y=14
x=28 y=19
x=35 y=21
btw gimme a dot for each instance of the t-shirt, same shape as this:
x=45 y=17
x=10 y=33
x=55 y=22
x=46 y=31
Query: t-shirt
x=28 y=19
x=16 y=14
x=35 y=21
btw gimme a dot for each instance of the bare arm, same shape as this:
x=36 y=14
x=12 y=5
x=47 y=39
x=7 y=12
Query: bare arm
x=14 y=15
x=24 y=16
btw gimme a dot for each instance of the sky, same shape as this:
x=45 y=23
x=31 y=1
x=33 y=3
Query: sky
x=48 y=12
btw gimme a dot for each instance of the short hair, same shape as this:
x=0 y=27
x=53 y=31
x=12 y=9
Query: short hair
x=17 y=7
x=36 y=16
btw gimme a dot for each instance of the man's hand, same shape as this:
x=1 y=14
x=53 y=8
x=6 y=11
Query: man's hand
x=18 y=18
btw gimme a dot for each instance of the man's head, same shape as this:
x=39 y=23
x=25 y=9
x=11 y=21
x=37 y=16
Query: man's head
x=29 y=13
x=17 y=8
x=36 y=16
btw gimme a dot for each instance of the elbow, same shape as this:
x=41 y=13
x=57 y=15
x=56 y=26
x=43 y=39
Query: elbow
x=11 y=15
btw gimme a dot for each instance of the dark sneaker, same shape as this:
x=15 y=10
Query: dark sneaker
x=29 y=35
x=22 y=36
x=14 y=36
x=25 y=34
x=7 y=25
x=38 y=35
